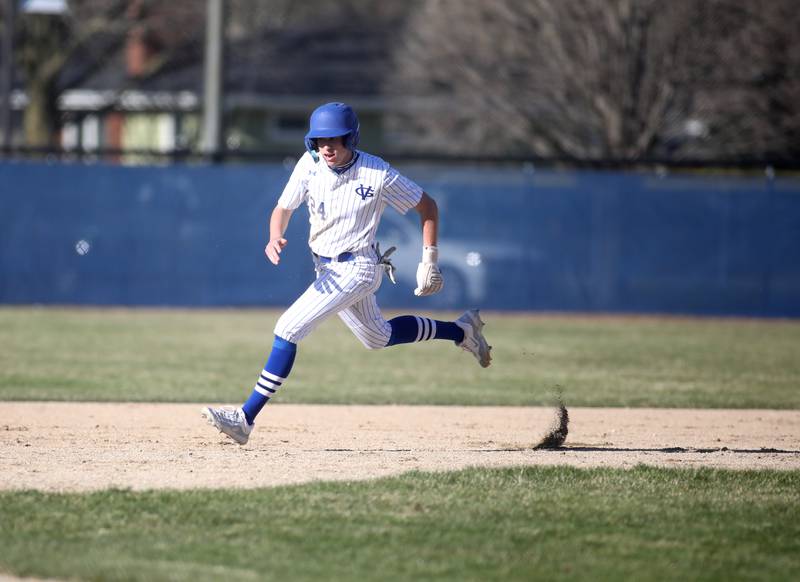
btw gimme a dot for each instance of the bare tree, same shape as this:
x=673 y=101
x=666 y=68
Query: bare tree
x=84 y=39
x=588 y=79
x=747 y=87
x=46 y=44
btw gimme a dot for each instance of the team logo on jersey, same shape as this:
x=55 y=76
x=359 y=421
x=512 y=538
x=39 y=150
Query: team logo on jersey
x=365 y=192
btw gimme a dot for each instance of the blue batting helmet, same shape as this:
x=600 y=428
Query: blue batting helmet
x=333 y=120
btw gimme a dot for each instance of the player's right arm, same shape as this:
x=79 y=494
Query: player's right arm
x=277 y=226
x=293 y=195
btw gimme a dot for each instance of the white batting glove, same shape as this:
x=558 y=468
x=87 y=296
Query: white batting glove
x=429 y=277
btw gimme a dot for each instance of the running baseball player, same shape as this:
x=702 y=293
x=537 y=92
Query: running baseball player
x=346 y=191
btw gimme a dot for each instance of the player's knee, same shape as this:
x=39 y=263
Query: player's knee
x=287 y=332
x=373 y=343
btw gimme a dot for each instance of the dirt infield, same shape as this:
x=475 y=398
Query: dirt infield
x=87 y=446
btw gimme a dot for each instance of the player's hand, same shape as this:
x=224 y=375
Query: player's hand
x=274 y=248
x=429 y=277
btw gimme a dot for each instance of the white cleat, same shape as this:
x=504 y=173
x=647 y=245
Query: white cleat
x=474 y=342
x=230 y=421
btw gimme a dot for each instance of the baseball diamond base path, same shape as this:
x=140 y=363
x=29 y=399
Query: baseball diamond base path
x=87 y=446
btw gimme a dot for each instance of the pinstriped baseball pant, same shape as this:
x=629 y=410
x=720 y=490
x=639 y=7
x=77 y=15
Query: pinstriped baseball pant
x=347 y=289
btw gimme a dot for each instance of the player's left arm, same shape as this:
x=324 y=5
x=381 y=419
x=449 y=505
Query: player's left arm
x=429 y=217
x=429 y=277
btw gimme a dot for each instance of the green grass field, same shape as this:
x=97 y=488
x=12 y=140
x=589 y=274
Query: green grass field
x=511 y=524
x=553 y=523
x=210 y=356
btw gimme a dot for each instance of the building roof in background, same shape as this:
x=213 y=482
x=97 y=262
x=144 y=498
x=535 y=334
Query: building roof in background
x=287 y=65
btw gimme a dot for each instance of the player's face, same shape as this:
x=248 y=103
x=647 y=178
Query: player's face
x=333 y=151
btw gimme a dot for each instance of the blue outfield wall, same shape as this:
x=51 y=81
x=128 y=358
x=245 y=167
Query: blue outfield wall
x=510 y=239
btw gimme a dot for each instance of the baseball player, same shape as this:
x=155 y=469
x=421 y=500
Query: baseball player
x=346 y=191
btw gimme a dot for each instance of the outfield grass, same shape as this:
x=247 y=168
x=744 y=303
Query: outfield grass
x=182 y=355
x=511 y=524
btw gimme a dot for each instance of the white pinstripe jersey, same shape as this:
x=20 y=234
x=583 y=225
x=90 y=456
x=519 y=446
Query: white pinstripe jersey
x=345 y=209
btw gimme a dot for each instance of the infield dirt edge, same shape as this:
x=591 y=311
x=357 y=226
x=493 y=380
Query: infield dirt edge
x=60 y=446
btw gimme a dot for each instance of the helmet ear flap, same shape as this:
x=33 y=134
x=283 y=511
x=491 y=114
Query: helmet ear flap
x=311 y=147
x=351 y=140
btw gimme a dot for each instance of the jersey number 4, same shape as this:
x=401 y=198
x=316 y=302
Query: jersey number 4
x=317 y=209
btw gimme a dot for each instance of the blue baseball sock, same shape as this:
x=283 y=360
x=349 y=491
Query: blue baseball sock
x=277 y=369
x=408 y=329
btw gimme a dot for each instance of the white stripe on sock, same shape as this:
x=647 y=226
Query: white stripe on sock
x=263 y=391
x=433 y=329
x=267 y=385
x=419 y=328
x=273 y=377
